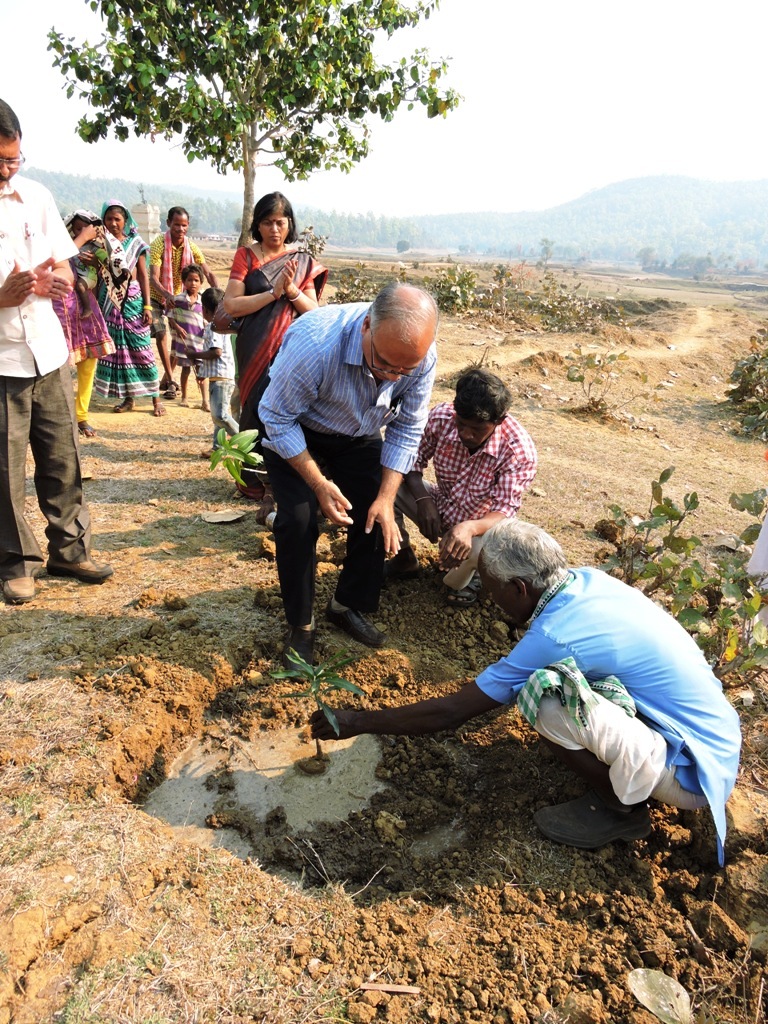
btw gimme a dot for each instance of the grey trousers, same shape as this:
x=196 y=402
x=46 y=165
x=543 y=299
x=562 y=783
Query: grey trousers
x=39 y=412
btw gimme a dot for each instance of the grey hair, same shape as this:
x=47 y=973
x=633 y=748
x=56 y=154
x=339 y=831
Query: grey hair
x=514 y=549
x=411 y=308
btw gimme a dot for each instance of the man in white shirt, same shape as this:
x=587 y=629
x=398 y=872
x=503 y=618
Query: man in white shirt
x=36 y=400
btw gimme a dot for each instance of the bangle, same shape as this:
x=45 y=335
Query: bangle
x=147 y=307
x=292 y=298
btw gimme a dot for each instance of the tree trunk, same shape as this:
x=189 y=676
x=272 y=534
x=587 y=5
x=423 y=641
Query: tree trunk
x=249 y=186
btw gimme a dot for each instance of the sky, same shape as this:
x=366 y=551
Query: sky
x=560 y=98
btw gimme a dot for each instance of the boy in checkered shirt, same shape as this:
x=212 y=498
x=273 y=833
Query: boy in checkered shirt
x=218 y=366
x=484 y=461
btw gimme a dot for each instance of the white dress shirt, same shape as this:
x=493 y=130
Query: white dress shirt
x=31 y=231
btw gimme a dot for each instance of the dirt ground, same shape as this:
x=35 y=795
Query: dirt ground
x=437 y=900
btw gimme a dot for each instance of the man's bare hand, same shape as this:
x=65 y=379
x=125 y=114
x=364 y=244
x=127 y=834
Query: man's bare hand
x=323 y=730
x=428 y=518
x=455 y=545
x=382 y=512
x=48 y=284
x=333 y=503
x=17 y=287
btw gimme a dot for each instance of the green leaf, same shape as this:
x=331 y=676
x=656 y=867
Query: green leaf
x=334 y=722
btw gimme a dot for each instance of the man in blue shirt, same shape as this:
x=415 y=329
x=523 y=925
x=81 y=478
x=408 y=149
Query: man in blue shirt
x=344 y=373
x=627 y=700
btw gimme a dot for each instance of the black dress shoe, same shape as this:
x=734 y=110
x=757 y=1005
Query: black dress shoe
x=302 y=641
x=356 y=624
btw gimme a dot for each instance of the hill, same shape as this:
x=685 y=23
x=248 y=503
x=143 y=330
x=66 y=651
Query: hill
x=669 y=217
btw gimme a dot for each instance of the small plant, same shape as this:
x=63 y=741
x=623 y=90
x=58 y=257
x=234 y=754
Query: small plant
x=599 y=374
x=235 y=452
x=311 y=242
x=454 y=289
x=321 y=680
x=750 y=387
x=561 y=309
x=354 y=285
x=713 y=598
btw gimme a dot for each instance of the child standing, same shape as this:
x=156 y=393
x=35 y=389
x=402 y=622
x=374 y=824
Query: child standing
x=187 y=326
x=217 y=368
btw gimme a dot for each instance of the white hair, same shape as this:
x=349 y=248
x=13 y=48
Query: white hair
x=514 y=549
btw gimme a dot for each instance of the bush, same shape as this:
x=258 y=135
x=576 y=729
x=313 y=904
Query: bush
x=562 y=310
x=750 y=390
x=600 y=376
x=713 y=597
x=354 y=285
x=454 y=289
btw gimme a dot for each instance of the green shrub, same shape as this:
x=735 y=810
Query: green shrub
x=454 y=289
x=750 y=387
x=562 y=310
x=713 y=597
x=355 y=285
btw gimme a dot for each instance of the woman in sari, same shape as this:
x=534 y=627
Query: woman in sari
x=123 y=291
x=269 y=286
x=88 y=339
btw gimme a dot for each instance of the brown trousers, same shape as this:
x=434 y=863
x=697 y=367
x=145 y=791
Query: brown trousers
x=40 y=412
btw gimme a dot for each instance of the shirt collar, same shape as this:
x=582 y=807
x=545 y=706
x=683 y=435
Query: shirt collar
x=13 y=189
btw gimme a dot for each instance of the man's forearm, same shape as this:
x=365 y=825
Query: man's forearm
x=307 y=468
x=426 y=716
x=390 y=484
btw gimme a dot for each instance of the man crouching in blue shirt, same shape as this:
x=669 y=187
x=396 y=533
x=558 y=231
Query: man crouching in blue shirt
x=344 y=373
x=612 y=683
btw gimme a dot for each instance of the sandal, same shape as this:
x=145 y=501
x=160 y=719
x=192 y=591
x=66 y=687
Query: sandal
x=125 y=406
x=171 y=391
x=467 y=595
x=158 y=409
x=86 y=429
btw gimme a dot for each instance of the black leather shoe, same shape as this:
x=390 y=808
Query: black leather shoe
x=356 y=624
x=302 y=641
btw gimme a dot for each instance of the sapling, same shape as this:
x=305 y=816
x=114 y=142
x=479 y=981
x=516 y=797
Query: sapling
x=321 y=680
x=235 y=452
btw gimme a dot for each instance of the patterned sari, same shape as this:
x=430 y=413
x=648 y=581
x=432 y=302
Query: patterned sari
x=130 y=372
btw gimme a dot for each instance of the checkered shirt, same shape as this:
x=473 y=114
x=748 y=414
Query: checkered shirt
x=472 y=484
x=224 y=366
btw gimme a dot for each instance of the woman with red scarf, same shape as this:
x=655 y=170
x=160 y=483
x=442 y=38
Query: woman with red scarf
x=269 y=286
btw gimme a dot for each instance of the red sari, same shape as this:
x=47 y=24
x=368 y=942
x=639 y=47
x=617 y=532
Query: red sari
x=262 y=333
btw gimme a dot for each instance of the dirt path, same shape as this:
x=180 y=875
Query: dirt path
x=440 y=882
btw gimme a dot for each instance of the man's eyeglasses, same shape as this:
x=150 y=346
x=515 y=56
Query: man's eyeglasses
x=14 y=163
x=395 y=371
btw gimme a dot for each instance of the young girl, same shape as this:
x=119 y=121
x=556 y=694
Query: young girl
x=187 y=325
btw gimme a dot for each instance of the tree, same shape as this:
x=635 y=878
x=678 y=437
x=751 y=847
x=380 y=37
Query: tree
x=245 y=82
x=547 y=247
x=403 y=245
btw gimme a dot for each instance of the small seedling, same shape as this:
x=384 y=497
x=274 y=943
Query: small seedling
x=321 y=680
x=235 y=452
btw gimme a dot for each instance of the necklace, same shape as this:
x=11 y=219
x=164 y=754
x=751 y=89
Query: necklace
x=561 y=582
x=273 y=256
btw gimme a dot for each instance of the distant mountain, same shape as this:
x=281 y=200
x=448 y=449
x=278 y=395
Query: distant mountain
x=672 y=215
x=671 y=218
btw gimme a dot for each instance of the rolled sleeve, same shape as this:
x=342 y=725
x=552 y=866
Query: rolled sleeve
x=403 y=434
